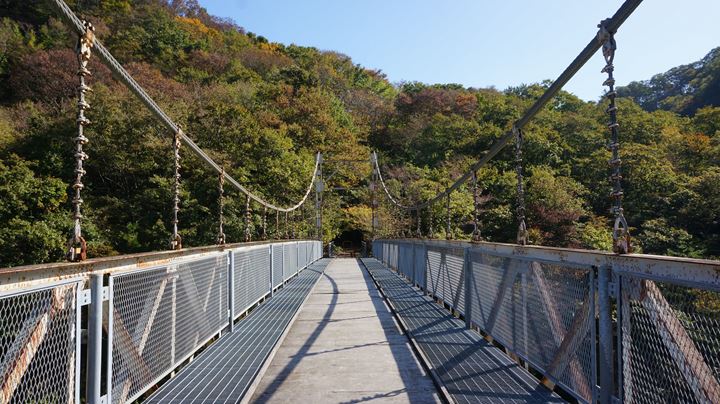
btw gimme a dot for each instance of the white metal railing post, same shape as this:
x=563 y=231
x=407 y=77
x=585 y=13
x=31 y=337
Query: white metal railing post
x=173 y=316
x=414 y=265
x=272 y=270
x=606 y=382
x=524 y=288
x=110 y=337
x=424 y=256
x=231 y=290
x=592 y=294
x=621 y=321
x=78 y=340
x=94 y=344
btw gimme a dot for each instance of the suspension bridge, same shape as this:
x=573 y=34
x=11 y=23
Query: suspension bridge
x=414 y=320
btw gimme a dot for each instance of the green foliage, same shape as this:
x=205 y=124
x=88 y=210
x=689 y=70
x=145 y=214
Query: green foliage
x=263 y=110
x=596 y=235
x=34 y=226
x=659 y=237
x=683 y=89
x=555 y=204
x=707 y=121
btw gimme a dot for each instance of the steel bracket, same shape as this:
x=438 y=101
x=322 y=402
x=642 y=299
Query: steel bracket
x=84 y=297
x=612 y=289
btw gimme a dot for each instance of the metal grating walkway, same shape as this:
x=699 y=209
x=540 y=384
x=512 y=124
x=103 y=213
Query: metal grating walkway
x=470 y=368
x=224 y=372
x=345 y=347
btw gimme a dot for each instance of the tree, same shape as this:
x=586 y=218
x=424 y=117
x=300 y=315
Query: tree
x=35 y=227
x=555 y=204
x=659 y=237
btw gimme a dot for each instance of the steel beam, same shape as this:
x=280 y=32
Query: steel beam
x=94 y=343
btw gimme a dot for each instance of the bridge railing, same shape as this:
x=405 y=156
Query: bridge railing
x=147 y=314
x=39 y=344
x=637 y=327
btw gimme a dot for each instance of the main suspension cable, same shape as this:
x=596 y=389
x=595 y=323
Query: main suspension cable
x=611 y=25
x=125 y=77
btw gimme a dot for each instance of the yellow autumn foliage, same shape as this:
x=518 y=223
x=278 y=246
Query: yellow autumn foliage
x=197 y=29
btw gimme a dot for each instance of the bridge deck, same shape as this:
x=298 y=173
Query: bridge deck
x=345 y=347
x=225 y=371
x=471 y=369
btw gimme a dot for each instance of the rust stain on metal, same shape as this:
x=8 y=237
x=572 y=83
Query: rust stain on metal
x=148 y=264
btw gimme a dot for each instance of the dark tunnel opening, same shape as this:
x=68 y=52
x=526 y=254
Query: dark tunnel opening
x=349 y=242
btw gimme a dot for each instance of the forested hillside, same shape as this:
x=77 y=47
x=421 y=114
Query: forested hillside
x=264 y=109
x=683 y=89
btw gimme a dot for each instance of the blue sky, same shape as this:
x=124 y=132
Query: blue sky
x=484 y=43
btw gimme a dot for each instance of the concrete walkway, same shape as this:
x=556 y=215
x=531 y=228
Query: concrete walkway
x=345 y=347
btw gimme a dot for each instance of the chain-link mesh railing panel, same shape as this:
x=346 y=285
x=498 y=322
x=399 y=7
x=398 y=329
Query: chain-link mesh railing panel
x=252 y=277
x=433 y=264
x=38 y=345
x=446 y=272
x=293 y=259
x=402 y=260
x=670 y=342
x=395 y=255
x=277 y=265
x=542 y=312
x=486 y=301
x=310 y=251
x=392 y=259
x=201 y=296
x=409 y=258
x=286 y=261
x=560 y=315
x=162 y=315
x=303 y=254
x=420 y=265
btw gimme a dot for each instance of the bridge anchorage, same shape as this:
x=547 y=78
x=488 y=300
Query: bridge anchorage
x=413 y=320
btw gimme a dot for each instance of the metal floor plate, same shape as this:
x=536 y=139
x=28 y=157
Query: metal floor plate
x=225 y=370
x=470 y=368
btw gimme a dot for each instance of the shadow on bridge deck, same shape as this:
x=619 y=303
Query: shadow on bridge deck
x=225 y=372
x=470 y=369
x=345 y=347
